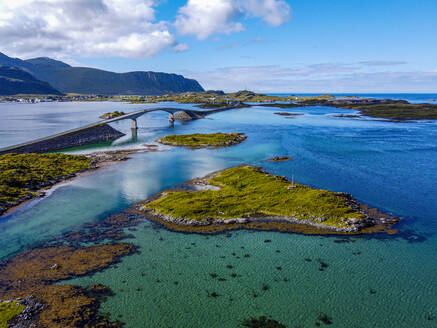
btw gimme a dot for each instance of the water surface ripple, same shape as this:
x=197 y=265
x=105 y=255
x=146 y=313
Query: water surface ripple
x=369 y=282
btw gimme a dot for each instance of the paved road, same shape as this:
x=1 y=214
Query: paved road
x=132 y=115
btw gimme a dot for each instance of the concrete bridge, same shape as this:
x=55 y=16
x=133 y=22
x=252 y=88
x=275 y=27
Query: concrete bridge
x=171 y=111
x=99 y=131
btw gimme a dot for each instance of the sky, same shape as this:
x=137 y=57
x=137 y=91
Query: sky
x=273 y=46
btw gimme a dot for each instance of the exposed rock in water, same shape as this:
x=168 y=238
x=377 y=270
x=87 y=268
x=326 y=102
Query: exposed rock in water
x=291 y=115
x=261 y=322
x=187 y=116
x=65 y=305
x=26 y=318
x=279 y=159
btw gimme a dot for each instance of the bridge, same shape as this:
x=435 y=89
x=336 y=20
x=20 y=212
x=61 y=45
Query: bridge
x=171 y=111
x=90 y=133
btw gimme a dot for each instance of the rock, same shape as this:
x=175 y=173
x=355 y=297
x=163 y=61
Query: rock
x=182 y=116
x=279 y=159
x=25 y=318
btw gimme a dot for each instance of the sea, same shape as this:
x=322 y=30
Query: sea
x=369 y=281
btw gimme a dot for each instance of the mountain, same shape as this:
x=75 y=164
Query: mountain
x=15 y=81
x=13 y=62
x=86 y=80
x=47 y=62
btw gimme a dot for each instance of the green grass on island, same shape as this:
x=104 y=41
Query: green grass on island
x=396 y=110
x=8 y=311
x=203 y=140
x=247 y=191
x=115 y=114
x=21 y=175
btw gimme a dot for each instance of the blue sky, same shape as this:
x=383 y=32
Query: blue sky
x=262 y=45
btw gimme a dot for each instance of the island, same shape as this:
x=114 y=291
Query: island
x=34 y=287
x=23 y=175
x=31 y=297
x=279 y=159
x=393 y=110
x=110 y=115
x=248 y=197
x=203 y=140
x=288 y=114
x=27 y=176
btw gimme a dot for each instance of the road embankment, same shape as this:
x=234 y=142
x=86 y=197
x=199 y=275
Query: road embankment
x=72 y=138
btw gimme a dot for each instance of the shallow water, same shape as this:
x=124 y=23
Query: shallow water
x=390 y=283
x=384 y=285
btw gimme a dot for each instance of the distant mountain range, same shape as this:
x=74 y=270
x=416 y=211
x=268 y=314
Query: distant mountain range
x=84 y=80
x=15 y=81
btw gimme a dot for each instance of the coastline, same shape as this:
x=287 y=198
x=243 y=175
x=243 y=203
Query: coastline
x=375 y=220
x=99 y=160
x=198 y=141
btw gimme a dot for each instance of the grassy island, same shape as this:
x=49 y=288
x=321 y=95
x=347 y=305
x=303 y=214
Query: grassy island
x=21 y=176
x=396 y=110
x=115 y=114
x=246 y=194
x=203 y=140
x=212 y=98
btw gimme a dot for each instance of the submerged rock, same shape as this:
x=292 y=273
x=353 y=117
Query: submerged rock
x=262 y=322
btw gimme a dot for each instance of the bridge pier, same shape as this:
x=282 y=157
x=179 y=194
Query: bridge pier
x=134 y=125
x=171 y=118
x=134 y=133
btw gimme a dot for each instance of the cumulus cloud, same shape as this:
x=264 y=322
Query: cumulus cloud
x=204 y=18
x=64 y=28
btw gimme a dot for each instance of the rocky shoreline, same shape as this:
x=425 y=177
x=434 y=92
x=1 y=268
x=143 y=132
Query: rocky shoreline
x=374 y=220
x=25 y=319
x=233 y=139
x=31 y=276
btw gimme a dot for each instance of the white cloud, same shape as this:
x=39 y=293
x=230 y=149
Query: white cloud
x=203 y=18
x=273 y=12
x=325 y=77
x=128 y=28
x=64 y=28
x=181 y=47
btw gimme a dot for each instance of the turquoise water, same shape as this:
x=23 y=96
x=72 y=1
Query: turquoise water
x=369 y=282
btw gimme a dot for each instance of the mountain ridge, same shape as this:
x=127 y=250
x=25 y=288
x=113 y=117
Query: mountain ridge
x=85 y=80
x=14 y=81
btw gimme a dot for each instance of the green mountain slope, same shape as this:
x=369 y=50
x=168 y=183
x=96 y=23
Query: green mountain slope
x=15 y=81
x=86 y=80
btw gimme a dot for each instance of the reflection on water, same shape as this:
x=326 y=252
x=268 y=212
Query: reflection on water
x=391 y=166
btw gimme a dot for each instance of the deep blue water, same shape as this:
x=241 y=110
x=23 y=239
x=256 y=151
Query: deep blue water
x=391 y=166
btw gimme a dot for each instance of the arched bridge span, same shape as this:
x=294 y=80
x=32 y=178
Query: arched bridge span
x=171 y=111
